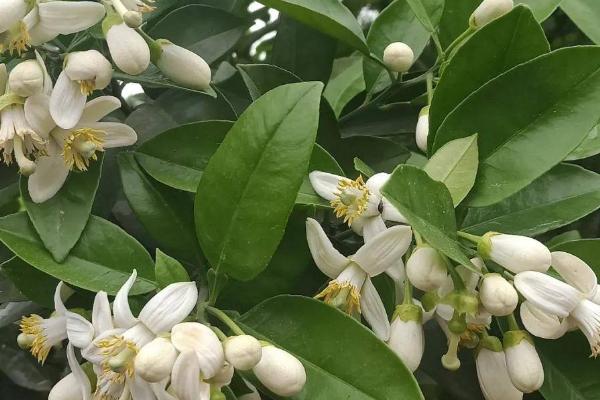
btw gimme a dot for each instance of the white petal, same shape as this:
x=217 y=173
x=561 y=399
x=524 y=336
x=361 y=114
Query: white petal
x=40 y=34
x=89 y=65
x=170 y=306
x=101 y=316
x=140 y=389
x=391 y=213
x=66 y=102
x=493 y=376
x=160 y=391
x=196 y=337
x=330 y=261
x=3 y=78
x=117 y=134
x=575 y=272
x=372 y=227
x=99 y=108
x=325 y=184
x=139 y=334
x=37 y=113
x=397 y=272
x=373 y=311
x=79 y=330
x=128 y=49
x=547 y=293
x=11 y=11
x=123 y=316
x=61 y=293
x=540 y=323
x=185 y=378
x=80 y=376
x=66 y=17
x=383 y=250
x=47 y=79
x=49 y=176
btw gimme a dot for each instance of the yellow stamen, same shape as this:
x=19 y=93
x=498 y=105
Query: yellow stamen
x=119 y=355
x=16 y=39
x=32 y=326
x=342 y=295
x=352 y=199
x=80 y=147
x=87 y=87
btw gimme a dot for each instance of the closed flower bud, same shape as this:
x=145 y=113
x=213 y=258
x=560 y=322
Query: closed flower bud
x=127 y=48
x=66 y=389
x=497 y=295
x=243 y=352
x=488 y=11
x=155 y=360
x=492 y=372
x=183 y=66
x=523 y=362
x=280 y=372
x=515 y=253
x=426 y=269
x=407 y=338
x=422 y=130
x=398 y=57
x=26 y=79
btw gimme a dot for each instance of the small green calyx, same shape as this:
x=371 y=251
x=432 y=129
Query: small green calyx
x=156 y=49
x=491 y=343
x=424 y=111
x=458 y=323
x=9 y=99
x=430 y=300
x=216 y=394
x=112 y=18
x=513 y=338
x=462 y=301
x=408 y=312
x=484 y=247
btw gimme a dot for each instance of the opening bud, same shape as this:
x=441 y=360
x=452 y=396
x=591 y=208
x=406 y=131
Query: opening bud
x=280 y=372
x=523 y=362
x=26 y=79
x=407 y=338
x=243 y=352
x=155 y=360
x=398 y=57
x=426 y=269
x=515 y=253
x=488 y=11
x=497 y=295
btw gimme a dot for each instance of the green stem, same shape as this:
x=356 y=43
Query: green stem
x=429 y=88
x=459 y=40
x=459 y=284
x=472 y=238
x=408 y=292
x=438 y=46
x=224 y=318
x=222 y=336
x=512 y=323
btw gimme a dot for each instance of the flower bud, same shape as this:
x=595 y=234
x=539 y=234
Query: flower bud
x=497 y=295
x=243 y=352
x=155 y=360
x=280 y=372
x=407 y=339
x=426 y=269
x=492 y=372
x=183 y=66
x=398 y=57
x=67 y=388
x=523 y=362
x=133 y=19
x=515 y=253
x=127 y=48
x=26 y=79
x=422 y=130
x=488 y=11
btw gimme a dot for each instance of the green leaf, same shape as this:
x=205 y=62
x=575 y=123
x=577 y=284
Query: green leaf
x=541 y=9
x=60 y=220
x=515 y=151
x=497 y=47
x=260 y=78
x=345 y=83
x=455 y=165
x=178 y=156
x=169 y=270
x=102 y=259
x=562 y=195
x=363 y=168
x=361 y=368
x=428 y=18
x=455 y=19
x=328 y=16
x=167 y=214
x=586 y=249
x=207 y=31
x=9 y=190
x=320 y=160
x=427 y=204
x=249 y=186
x=36 y=285
x=153 y=78
x=22 y=369
x=585 y=14
x=589 y=147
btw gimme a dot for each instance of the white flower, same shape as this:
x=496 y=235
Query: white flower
x=523 y=362
x=128 y=49
x=351 y=288
x=515 y=253
x=155 y=360
x=360 y=204
x=422 y=130
x=182 y=66
x=11 y=12
x=280 y=372
x=75 y=386
x=497 y=295
x=74 y=148
x=492 y=372
x=426 y=269
x=407 y=338
x=398 y=57
x=41 y=334
x=84 y=72
x=488 y=11
x=542 y=324
x=243 y=352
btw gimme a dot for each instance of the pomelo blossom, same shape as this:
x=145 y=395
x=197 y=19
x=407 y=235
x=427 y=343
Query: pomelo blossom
x=398 y=57
x=407 y=338
x=181 y=65
x=492 y=371
x=522 y=361
x=128 y=49
x=76 y=385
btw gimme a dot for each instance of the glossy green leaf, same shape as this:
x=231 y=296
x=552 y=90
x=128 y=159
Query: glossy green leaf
x=345 y=83
x=455 y=19
x=585 y=14
x=500 y=45
x=166 y=214
x=363 y=168
x=102 y=259
x=178 y=156
x=563 y=237
x=586 y=249
x=589 y=147
x=562 y=195
x=541 y=9
x=428 y=17
x=60 y=220
x=455 y=165
x=362 y=368
x=249 y=186
x=9 y=190
x=153 y=78
x=36 y=285
x=515 y=151
x=22 y=369
x=169 y=270
x=328 y=16
x=260 y=78
x=207 y=31
x=427 y=205
x=320 y=160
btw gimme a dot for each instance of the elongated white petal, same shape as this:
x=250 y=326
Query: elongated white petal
x=407 y=340
x=128 y=49
x=66 y=17
x=575 y=272
x=330 y=261
x=587 y=318
x=48 y=178
x=185 y=378
x=99 y=108
x=325 y=184
x=139 y=334
x=37 y=113
x=66 y=102
x=117 y=134
x=170 y=306
x=519 y=253
x=196 y=337
x=280 y=372
x=83 y=383
x=48 y=85
x=123 y=316
x=89 y=65
x=391 y=213
x=397 y=272
x=11 y=11
x=140 y=389
x=542 y=324
x=383 y=250
x=61 y=293
x=66 y=389
x=493 y=376
x=38 y=33
x=160 y=390
x=79 y=330
x=376 y=182
x=373 y=310
x=101 y=316
x=372 y=226
x=547 y=293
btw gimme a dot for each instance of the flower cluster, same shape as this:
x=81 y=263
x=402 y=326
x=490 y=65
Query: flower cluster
x=159 y=354
x=463 y=299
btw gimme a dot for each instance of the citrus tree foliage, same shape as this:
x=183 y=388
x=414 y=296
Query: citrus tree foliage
x=306 y=199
